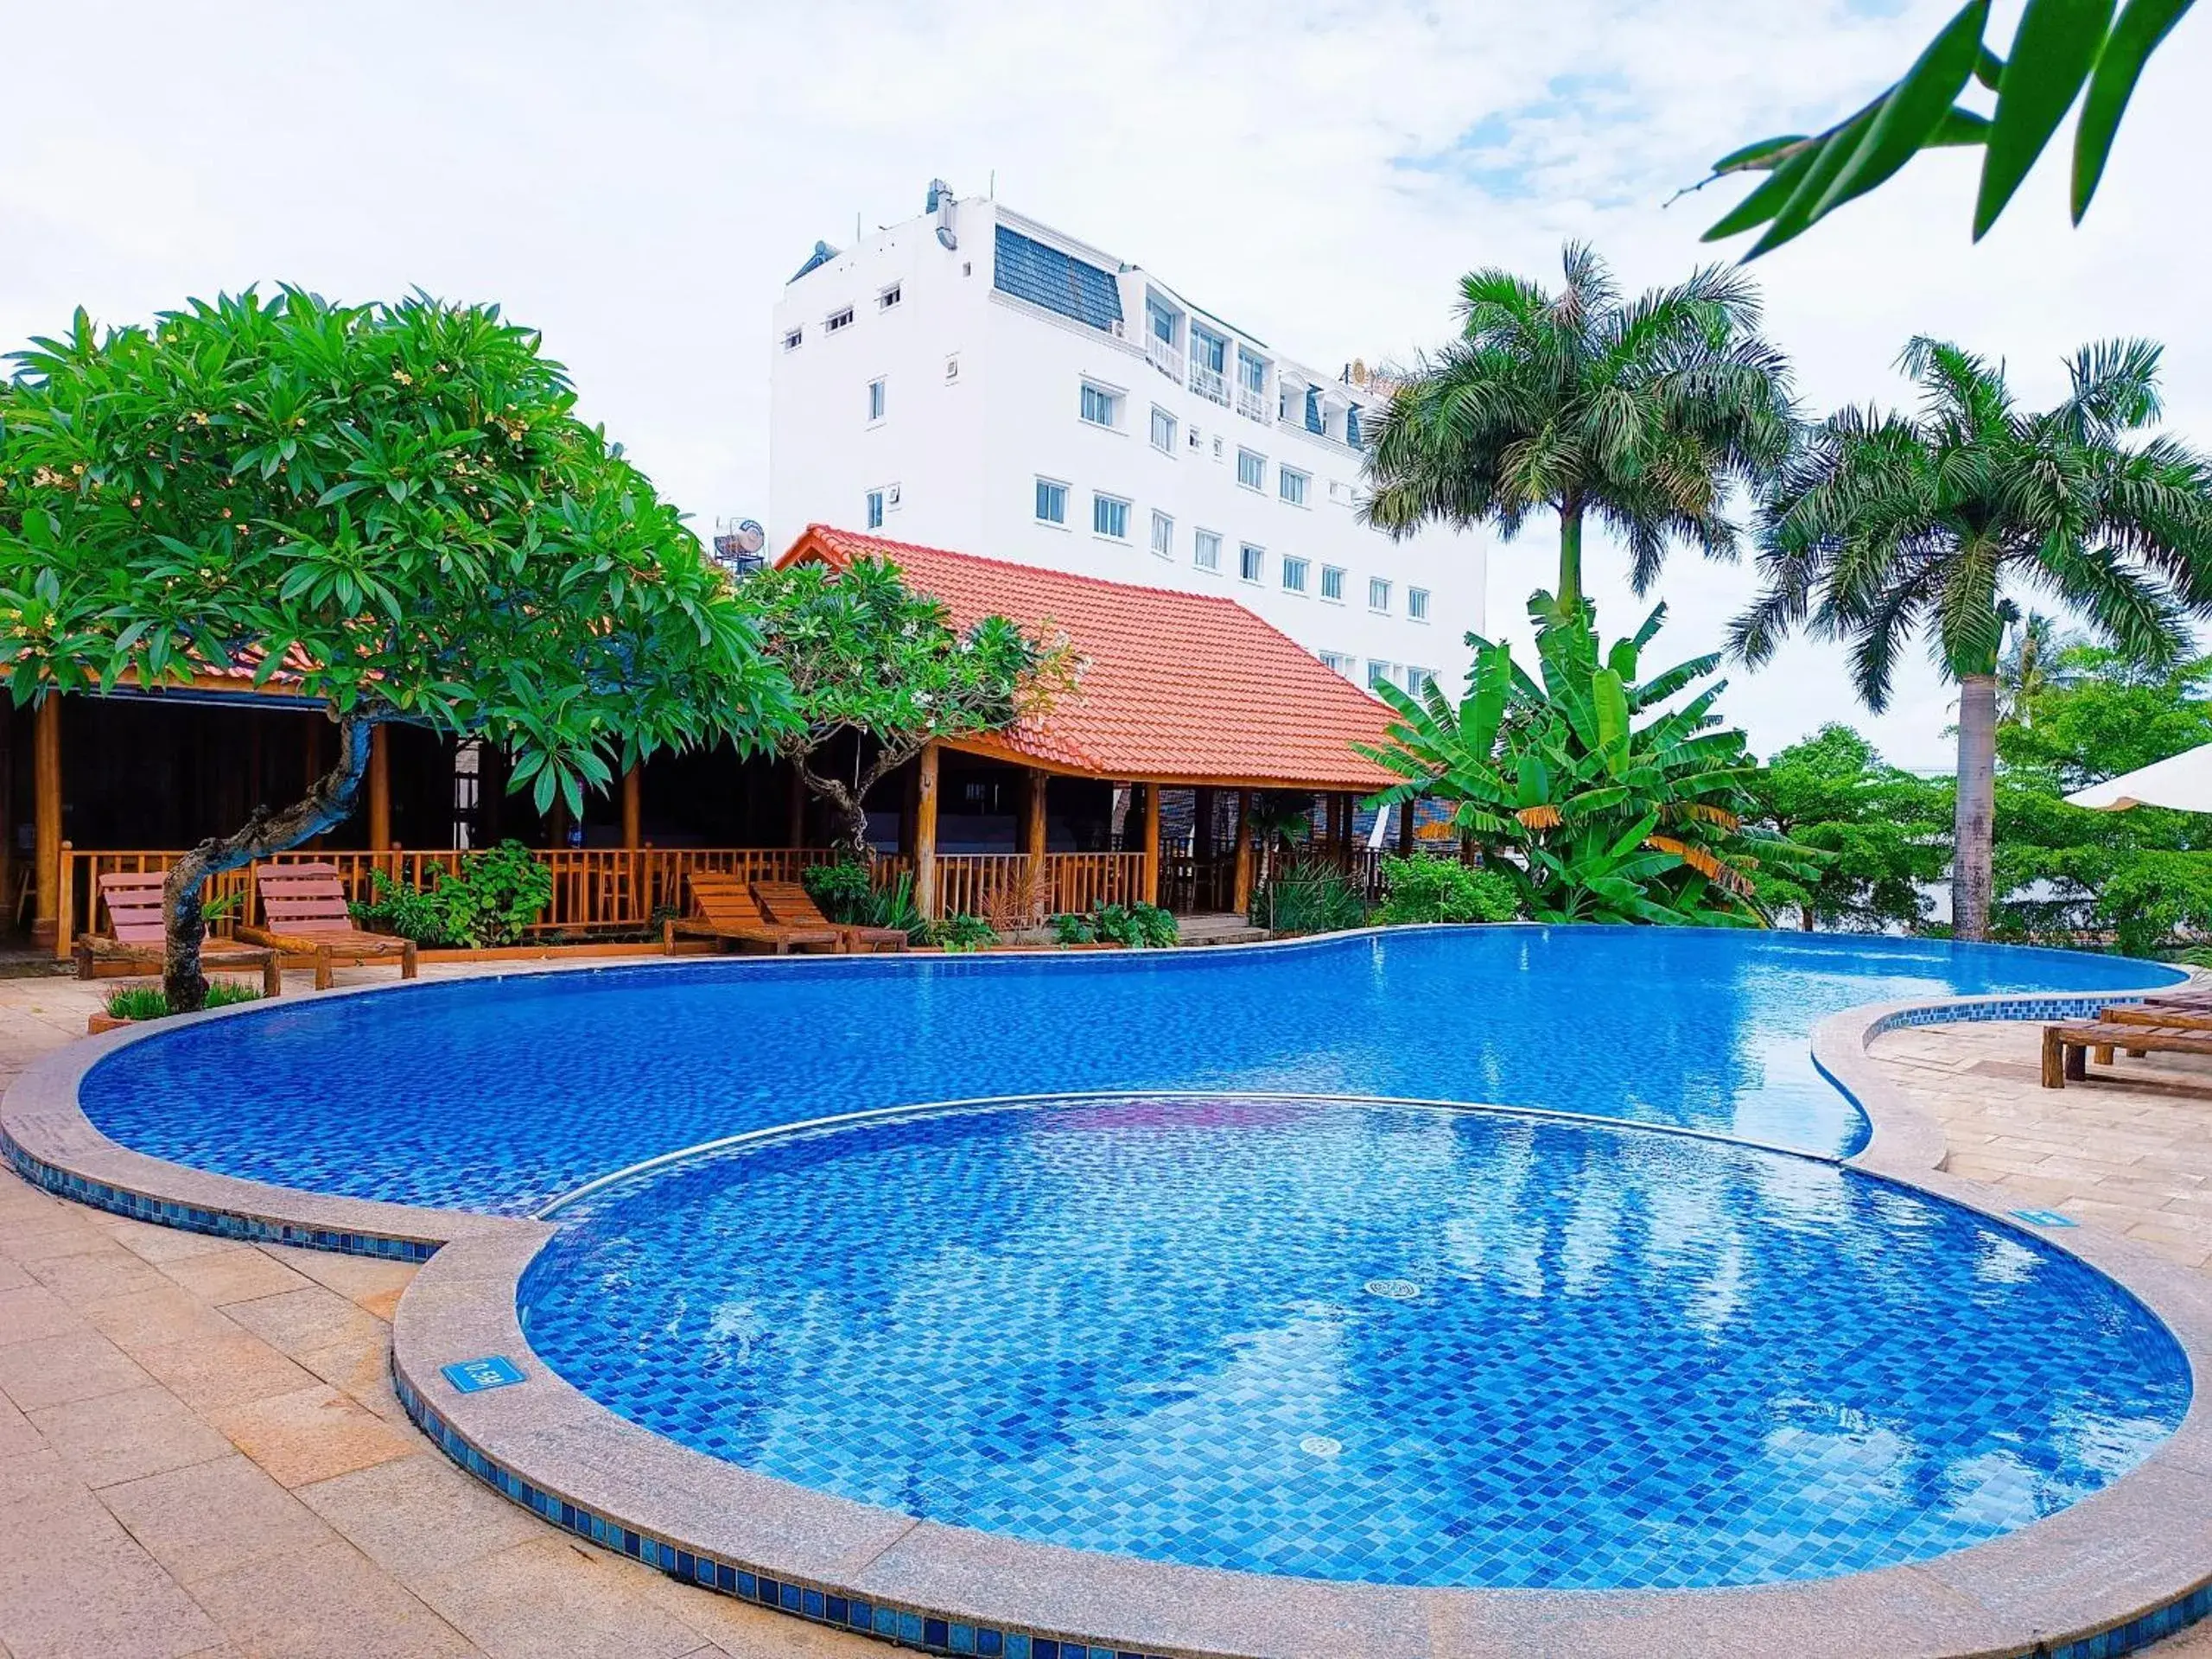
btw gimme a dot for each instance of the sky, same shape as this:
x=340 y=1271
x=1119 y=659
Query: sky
x=638 y=181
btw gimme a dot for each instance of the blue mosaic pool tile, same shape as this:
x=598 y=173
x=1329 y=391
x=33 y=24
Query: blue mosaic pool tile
x=1359 y=1342
x=501 y=1094
x=226 y=1223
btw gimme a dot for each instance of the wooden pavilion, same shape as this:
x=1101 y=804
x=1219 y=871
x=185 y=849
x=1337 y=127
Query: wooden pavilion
x=1187 y=705
x=1139 y=785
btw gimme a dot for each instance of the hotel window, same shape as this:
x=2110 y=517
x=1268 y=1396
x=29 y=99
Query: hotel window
x=1313 y=421
x=1251 y=469
x=1293 y=575
x=838 y=319
x=1249 y=562
x=1162 y=320
x=889 y=297
x=874 y=400
x=1292 y=485
x=1205 y=550
x=1417 y=604
x=1163 y=535
x=1100 y=406
x=1336 y=663
x=1378 y=674
x=1051 y=502
x=1110 y=516
x=1351 y=426
x=1333 y=583
x=791 y=339
x=875 y=509
x=1163 y=431
x=1378 y=593
x=1418 y=679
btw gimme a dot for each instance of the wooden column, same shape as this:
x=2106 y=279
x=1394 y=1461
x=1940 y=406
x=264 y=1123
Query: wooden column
x=1242 y=893
x=925 y=831
x=1151 y=843
x=795 y=828
x=45 y=923
x=633 y=809
x=1404 y=830
x=380 y=789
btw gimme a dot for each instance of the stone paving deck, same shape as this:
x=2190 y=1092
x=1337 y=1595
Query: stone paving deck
x=200 y=1453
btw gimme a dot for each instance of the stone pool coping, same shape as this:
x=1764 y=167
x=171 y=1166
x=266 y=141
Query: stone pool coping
x=2118 y=1569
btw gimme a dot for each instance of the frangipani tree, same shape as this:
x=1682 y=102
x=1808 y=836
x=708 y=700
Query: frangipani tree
x=395 y=507
x=1596 y=798
x=869 y=658
x=1640 y=414
x=1888 y=525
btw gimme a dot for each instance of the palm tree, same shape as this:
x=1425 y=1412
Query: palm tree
x=1639 y=413
x=1885 y=525
x=2028 y=667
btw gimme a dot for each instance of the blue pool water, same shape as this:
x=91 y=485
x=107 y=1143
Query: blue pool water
x=500 y=1095
x=1387 y=1344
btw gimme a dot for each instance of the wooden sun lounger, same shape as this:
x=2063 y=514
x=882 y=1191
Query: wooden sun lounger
x=790 y=905
x=137 y=935
x=304 y=905
x=724 y=910
x=2066 y=1049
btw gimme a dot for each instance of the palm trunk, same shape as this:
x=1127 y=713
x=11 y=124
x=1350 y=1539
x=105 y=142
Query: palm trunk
x=330 y=802
x=1570 y=559
x=1975 y=826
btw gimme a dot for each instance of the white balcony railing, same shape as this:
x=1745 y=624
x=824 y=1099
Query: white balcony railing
x=1164 y=357
x=1208 y=383
x=1252 y=405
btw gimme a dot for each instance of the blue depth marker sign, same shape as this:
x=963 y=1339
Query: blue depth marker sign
x=474 y=1376
x=2042 y=1217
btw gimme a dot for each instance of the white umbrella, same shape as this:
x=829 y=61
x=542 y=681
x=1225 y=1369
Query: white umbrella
x=2181 y=781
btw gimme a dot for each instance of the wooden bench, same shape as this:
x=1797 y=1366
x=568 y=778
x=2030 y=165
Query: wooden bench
x=2066 y=1049
x=137 y=935
x=305 y=908
x=724 y=910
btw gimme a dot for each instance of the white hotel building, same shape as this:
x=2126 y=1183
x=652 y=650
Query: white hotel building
x=974 y=380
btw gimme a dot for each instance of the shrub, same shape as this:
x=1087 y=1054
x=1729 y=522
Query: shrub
x=1156 y=928
x=960 y=934
x=151 y=1002
x=1445 y=890
x=1312 y=900
x=845 y=890
x=1138 y=926
x=488 y=899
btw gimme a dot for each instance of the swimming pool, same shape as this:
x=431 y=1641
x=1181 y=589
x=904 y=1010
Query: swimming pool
x=499 y=1095
x=1380 y=1344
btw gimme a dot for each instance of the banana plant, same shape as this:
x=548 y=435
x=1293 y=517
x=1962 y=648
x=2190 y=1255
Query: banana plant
x=1591 y=788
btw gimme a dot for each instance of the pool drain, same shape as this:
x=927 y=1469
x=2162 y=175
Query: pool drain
x=1320 y=1446
x=1394 y=1290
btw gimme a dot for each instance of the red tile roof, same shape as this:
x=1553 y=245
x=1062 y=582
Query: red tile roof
x=1174 y=688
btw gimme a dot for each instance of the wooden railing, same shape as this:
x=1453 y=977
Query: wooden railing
x=596 y=890
x=1002 y=887
x=601 y=890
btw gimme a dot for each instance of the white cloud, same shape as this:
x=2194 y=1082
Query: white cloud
x=639 y=181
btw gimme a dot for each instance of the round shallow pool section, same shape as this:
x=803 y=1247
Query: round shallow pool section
x=500 y=1095
x=1379 y=1342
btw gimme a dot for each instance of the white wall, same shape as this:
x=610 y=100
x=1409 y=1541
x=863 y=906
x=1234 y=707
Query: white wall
x=965 y=454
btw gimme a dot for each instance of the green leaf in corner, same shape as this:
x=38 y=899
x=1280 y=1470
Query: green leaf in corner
x=1913 y=110
x=2129 y=47
x=2057 y=45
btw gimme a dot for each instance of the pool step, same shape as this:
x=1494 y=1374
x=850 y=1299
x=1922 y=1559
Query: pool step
x=1219 y=927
